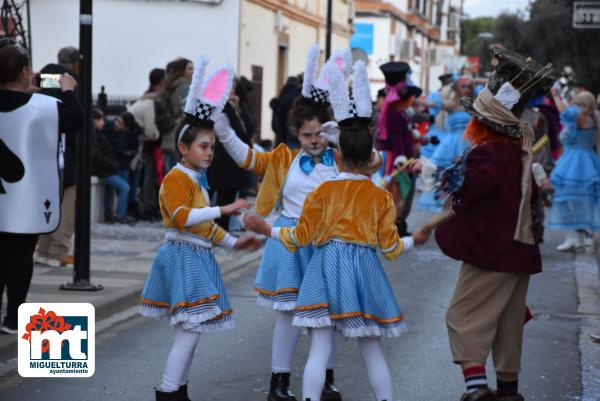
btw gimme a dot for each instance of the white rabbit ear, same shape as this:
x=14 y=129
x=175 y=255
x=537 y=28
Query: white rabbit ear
x=338 y=92
x=217 y=87
x=361 y=92
x=310 y=72
x=342 y=60
x=196 y=85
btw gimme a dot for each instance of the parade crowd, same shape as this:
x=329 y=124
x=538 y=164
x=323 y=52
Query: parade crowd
x=489 y=156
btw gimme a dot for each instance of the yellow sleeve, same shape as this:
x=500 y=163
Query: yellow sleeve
x=390 y=243
x=307 y=228
x=177 y=197
x=259 y=161
x=218 y=234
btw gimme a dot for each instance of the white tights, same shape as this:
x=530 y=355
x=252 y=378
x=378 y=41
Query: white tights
x=179 y=361
x=372 y=355
x=285 y=340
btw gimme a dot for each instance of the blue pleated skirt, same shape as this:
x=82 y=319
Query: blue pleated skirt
x=345 y=286
x=576 y=182
x=185 y=286
x=280 y=272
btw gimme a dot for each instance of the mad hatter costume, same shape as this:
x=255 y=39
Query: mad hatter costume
x=490 y=230
x=289 y=176
x=185 y=284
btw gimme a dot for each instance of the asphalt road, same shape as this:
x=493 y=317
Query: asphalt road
x=235 y=365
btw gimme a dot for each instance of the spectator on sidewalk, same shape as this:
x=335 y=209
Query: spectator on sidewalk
x=174 y=93
x=225 y=177
x=123 y=136
x=145 y=112
x=285 y=130
x=106 y=167
x=53 y=249
x=30 y=174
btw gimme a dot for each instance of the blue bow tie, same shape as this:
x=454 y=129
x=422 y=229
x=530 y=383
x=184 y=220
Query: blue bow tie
x=203 y=180
x=307 y=163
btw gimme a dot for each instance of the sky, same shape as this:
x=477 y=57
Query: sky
x=492 y=8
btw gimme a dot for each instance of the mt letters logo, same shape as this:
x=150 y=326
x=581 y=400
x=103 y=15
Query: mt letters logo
x=56 y=340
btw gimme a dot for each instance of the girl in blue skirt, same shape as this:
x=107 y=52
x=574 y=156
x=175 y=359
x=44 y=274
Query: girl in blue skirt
x=347 y=218
x=576 y=177
x=185 y=284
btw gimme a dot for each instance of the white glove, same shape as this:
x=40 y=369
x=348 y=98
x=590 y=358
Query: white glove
x=400 y=160
x=331 y=132
x=222 y=127
x=426 y=180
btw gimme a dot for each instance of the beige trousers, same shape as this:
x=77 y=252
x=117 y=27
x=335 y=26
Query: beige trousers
x=57 y=244
x=487 y=313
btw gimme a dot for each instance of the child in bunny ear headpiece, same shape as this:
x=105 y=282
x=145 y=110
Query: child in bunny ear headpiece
x=289 y=176
x=345 y=287
x=185 y=283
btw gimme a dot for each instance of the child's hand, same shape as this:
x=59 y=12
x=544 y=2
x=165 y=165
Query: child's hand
x=250 y=243
x=415 y=166
x=235 y=207
x=258 y=225
x=420 y=236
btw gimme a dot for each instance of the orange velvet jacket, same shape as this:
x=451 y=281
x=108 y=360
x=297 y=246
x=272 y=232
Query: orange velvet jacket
x=274 y=166
x=178 y=195
x=351 y=210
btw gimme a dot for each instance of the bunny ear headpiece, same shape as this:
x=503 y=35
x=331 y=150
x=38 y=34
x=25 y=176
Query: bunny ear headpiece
x=208 y=96
x=315 y=89
x=349 y=107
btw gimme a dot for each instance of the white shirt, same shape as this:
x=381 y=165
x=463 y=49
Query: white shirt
x=298 y=185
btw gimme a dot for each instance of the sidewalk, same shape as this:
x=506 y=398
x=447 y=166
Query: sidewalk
x=121 y=257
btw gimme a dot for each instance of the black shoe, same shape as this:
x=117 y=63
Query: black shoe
x=182 y=393
x=515 y=397
x=125 y=220
x=330 y=391
x=280 y=388
x=483 y=394
x=9 y=327
x=164 y=396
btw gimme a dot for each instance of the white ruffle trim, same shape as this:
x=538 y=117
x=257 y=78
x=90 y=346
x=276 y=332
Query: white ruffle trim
x=189 y=321
x=276 y=305
x=364 y=331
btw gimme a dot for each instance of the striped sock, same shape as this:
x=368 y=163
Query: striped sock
x=475 y=378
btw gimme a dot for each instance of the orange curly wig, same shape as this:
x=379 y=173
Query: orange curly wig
x=478 y=133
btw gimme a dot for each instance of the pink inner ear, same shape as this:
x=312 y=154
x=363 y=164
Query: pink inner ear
x=215 y=87
x=340 y=63
x=325 y=79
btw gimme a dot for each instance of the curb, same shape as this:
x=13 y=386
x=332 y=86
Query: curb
x=119 y=301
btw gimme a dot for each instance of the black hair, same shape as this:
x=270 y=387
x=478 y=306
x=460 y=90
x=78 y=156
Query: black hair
x=97 y=113
x=156 y=75
x=194 y=126
x=13 y=58
x=305 y=110
x=356 y=142
x=128 y=119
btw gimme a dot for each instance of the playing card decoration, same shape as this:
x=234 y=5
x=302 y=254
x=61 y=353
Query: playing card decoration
x=29 y=167
x=11 y=169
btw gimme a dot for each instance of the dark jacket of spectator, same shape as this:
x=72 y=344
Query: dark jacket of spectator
x=224 y=173
x=104 y=160
x=125 y=144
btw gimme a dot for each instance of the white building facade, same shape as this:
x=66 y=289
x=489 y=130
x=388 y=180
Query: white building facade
x=415 y=31
x=265 y=40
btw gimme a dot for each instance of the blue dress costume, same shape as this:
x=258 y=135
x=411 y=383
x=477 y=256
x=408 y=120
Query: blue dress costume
x=428 y=150
x=185 y=284
x=576 y=178
x=452 y=145
x=280 y=272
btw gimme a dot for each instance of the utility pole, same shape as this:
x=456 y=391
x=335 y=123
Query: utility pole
x=81 y=277
x=329 y=27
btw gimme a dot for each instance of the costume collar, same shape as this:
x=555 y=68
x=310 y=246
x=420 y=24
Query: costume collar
x=351 y=176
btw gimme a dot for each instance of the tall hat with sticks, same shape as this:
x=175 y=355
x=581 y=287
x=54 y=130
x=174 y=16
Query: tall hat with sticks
x=207 y=96
x=514 y=81
x=315 y=86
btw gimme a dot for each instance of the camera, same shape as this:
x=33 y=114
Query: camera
x=50 y=81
